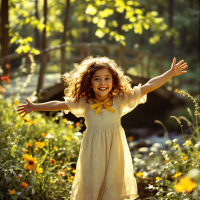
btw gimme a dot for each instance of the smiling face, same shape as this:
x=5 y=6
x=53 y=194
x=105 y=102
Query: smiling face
x=102 y=83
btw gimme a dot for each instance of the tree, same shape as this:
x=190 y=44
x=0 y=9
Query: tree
x=4 y=35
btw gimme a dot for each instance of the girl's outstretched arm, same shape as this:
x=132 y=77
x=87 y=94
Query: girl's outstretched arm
x=154 y=83
x=48 y=106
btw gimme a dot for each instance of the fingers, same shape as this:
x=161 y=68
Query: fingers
x=21 y=112
x=183 y=64
x=24 y=115
x=20 y=109
x=21 y=106
x=174 y=60
x=180 y=62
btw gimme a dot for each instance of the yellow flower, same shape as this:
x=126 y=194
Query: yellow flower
x=39 y=170
x=187 y=143
x=40 y=144
x=33 y=122
x=3 y=90
x=9 y=105
x=185 y=158
x=71 y=178
x=25 y=150
x=139 y=174
x=25 y=120
x=16 y=102
x=199 y=157
x=53 y=161
x=158 y=178
x=66 y=137
x=32 y=162
x=12 y=192
x=69 y=168
x=24 y=185
x=130 y=138
x=176 y=90
x=70 y=126
x=177 y=174
x=56 y=148
x=75 y=138
x=43 y=135
x=185 y=184
x=64 y=120
x=29 y=145
x=36 y=149
x=61 y=173
x=74 y=171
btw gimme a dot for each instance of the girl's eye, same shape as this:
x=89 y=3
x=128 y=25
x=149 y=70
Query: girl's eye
x=96 y=79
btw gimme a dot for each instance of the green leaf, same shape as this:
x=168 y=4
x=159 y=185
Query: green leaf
x=129 y=14
x=154 y=13
x=26 y=48
x=146 y=26
x=101 y=23
x=158 y=20
x=13 y=39
x=35 y=51
x=114 y=23
x=138 y=11
x=120 y=9
x=132 y=19
x=99 y=33
x=95 y=20
x=91 y=10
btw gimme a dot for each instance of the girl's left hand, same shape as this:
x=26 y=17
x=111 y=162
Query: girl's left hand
x=177 y=68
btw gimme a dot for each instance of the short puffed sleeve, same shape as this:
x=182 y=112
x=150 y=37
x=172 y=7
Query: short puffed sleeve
x=76 y=108
x=132 y=99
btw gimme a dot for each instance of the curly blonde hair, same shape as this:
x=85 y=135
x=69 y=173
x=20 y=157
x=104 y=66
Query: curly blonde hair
x=80 y=78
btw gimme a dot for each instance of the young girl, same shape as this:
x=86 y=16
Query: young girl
x=99 y=91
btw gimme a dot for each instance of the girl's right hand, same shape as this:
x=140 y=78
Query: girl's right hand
x=26 y=108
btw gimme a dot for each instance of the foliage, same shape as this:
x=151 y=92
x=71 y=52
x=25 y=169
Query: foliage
x=176 y=171
x=54 y=174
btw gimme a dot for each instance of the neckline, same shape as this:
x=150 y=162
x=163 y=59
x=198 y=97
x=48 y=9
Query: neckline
x=104 y=108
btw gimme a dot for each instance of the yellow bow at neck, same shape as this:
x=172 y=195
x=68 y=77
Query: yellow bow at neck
x=99 y=104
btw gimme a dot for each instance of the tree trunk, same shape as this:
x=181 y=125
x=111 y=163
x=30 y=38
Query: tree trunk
x=171 y=40
x=44 y=46
x=64 y=37
x=4 y=36
x=36 y=32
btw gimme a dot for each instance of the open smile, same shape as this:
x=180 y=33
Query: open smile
x=102 y=88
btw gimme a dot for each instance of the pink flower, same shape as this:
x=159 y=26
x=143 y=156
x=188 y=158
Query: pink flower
x=73 y=155
x=19 y=176
x=50 y=135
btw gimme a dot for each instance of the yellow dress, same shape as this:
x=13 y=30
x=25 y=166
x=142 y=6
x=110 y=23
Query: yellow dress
x=104 y=169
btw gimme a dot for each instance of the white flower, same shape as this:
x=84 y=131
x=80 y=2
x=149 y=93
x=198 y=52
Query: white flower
x=151 y=187
x=69 y=122
x=77 y=133
x=193 y=173
x=151 y=154
x=175 y=162
x=166 y=158
x=1 y=71
x=197 y=145
x=60 y=114
x=164 y=152
x=50 y=135
x=168 y=142
x=174 y=140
